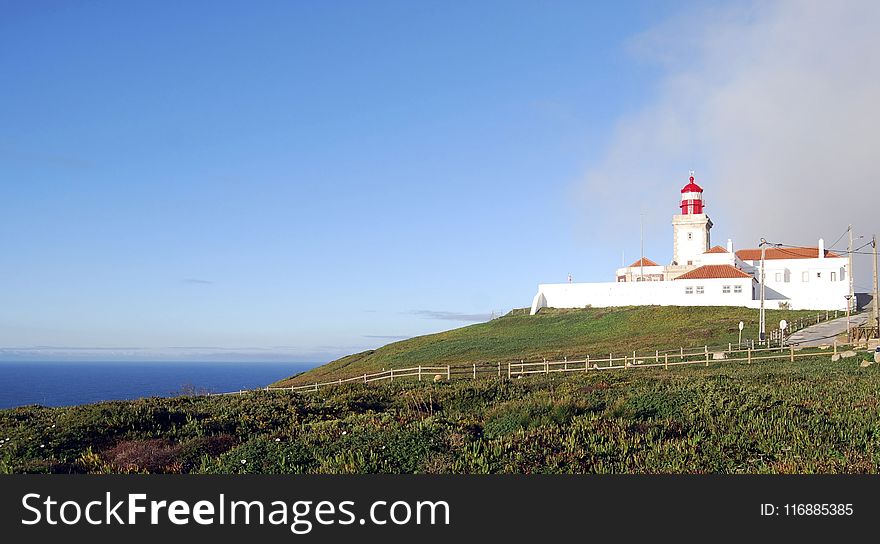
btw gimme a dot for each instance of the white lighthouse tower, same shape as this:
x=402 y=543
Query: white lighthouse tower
x=690 y=228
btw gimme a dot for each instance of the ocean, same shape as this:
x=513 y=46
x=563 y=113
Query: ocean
x=69 y=383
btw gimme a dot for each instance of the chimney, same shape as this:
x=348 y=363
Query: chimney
x=729 y=245
x=821 y=248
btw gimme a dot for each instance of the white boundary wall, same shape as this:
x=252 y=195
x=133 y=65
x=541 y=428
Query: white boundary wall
x=656 y=293
x=673 y=293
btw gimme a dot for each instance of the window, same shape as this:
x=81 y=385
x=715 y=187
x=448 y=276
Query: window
x=737 y=288
x=779 y=277
x=834 y=276
x=818 y=274
x=690 y=263
x=805 y=276
x=690 y=236
x=699 y=289
x=725 y=289
x=689 y=290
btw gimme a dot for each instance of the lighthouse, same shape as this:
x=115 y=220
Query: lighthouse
x=690 y=228
x=691 y=198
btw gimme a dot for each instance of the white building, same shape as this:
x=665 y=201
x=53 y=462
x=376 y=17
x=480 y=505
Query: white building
x=699 y=275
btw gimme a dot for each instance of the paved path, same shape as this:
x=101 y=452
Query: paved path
x=824 y=333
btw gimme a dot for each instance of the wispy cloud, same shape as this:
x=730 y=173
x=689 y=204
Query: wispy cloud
x=773 y=103
x=197 y=281
x=47 y=159
x=386 y=337
x=171 y=353
x=452 y=316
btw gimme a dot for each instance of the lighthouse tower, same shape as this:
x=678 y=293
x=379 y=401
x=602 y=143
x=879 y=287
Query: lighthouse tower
x=690 y=228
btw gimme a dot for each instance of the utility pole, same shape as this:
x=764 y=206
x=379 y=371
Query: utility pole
x=849 y=270
x=874 y=314
x=848 y=326
x=642 y=245
x=761 y=319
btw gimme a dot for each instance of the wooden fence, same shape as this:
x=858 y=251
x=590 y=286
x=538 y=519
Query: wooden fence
x=517 y=369
x=864 y=332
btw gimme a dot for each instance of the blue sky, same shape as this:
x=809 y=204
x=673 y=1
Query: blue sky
x=301 y=180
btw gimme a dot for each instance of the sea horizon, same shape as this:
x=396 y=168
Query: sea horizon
x=69 y=383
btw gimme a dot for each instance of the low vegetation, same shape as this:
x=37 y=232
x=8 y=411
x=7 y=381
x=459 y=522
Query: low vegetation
x=771 y=417
x=556 y=333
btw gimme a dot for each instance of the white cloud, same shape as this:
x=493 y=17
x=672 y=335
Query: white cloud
x=777 y=107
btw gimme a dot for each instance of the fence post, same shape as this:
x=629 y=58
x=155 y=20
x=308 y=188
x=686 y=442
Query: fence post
x=730 y=346
x=665 y=361
x=682 y=353
x=750 y=355
x=508 y=370
x=240 y=393
x=546 y=366
x=835 y=346
x=365 y=377
x=499 y=369
x=565 y=359
x=656 y=355
x=316 y=386
x=791 y=351
x=587 y=364
x=707 y=355
x=448 y=373
x=475 y=371
x=420 y=372
x=634 y=357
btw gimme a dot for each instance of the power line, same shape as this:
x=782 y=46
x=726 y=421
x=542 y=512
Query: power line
x=864 y=246
x=839 y=239
x=854 y=252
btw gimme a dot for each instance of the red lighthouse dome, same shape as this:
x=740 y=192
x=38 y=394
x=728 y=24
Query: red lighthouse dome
x=691 y=198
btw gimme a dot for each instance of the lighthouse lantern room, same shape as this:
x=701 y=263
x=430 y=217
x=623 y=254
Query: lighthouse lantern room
x=691 y=197
x=690 y=228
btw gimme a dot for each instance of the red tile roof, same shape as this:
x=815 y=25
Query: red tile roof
x=644 y=261
x=717 y=249
x=784 y=253
x=713 y=271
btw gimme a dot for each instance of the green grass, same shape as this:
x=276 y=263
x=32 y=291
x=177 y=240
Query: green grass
x=770 y=417
x=555 y=333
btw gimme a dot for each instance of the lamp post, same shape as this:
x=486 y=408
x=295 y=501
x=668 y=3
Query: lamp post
x=847 y=297
x=762 y=321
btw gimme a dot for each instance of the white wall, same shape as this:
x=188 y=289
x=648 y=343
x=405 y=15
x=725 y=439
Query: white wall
x=636 y=271
x=660 y=293
x=818 y=293
x=684 y=249
x=715 y=258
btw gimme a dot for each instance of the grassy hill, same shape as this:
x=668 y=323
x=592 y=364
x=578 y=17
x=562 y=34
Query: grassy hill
x=812 y=415
x=556 y=333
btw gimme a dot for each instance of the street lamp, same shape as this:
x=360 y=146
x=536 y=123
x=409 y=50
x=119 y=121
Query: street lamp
x=848 y=334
